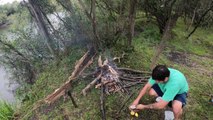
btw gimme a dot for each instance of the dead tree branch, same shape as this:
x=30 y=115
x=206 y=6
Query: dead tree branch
x=83 y=63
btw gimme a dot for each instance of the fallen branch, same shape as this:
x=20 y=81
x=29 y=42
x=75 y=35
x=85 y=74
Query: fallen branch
x=133 y=79
x=125 y=101
x=133 y=84
x=84 y=91
x=133 y=71
x=83 y=63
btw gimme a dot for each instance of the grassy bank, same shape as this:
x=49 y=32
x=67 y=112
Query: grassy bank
x=193 y=57
x=6 y=111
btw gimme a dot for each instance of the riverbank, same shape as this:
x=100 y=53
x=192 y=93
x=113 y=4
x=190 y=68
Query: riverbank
x=188 y=56
x=6 y=90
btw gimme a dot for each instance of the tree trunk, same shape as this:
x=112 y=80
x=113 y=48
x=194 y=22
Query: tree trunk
x=92 y=19
x=166 y=36
x=37 y=15
x=132 y=12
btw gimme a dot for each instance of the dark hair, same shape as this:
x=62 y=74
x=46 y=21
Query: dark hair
x=160 y=72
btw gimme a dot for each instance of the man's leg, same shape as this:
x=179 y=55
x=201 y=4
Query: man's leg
x=177 y=105
x=155 y=91
x=177 y=109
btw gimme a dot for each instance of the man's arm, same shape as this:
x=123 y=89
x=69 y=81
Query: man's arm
x=142 y=92
x=158 y=105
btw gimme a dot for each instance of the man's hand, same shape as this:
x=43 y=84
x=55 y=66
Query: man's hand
x=134 y=104
x=140 y=107
x=132 y=107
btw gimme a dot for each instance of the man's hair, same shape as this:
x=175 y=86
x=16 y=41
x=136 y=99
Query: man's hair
x=160 y=72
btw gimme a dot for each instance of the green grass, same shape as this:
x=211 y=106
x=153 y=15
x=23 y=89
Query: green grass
x=6 y=111
x=200 y=43
x=197 y=68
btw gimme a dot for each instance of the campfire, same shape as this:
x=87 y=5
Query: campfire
x=115 y=79
x=107 y=77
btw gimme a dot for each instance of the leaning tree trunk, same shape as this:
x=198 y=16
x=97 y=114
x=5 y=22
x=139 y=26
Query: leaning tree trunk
x=167 y=35
x=58 y=35
x=37 y=15
x=68 y=6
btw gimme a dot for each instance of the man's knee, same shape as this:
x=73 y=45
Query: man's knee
x=152 y=92
x=177 y=107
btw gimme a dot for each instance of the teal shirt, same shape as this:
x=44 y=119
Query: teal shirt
x=176 y=84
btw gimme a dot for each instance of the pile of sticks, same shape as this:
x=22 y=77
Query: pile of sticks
x=108 y=77
x=115 y=79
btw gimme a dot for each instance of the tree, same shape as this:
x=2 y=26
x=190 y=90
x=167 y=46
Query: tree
x=132 y=13
x=92 y=17
x=21 y=60
x=200 y=18
x=166 y=13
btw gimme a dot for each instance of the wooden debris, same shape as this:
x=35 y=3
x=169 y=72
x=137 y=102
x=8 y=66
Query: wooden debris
x=102 y=99
x=116 y=79
x=91 y=84
x=108 y=77
x=133 y=71
x=72 y=99
x=83 y=63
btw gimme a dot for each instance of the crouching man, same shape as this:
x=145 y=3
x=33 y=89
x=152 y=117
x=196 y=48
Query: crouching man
x=167 y=83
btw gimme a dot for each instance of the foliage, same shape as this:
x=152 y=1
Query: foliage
x=25 y=56
x=50 y=79
x=196 y=9
x=6 y=111
x=164 y=11
x=200 y=43
x=3 y=18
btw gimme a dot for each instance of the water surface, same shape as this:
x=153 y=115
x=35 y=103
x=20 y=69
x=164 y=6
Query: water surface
x=6 y=89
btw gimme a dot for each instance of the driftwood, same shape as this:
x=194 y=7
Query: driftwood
x=84 y=62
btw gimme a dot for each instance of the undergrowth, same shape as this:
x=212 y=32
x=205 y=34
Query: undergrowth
x=6 y=111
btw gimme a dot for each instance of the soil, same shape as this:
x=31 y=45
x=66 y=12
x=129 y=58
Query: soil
x=178 y=57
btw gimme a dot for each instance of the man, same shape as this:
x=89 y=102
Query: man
x=170 y=85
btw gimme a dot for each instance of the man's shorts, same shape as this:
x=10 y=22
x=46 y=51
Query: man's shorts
x=180 y=97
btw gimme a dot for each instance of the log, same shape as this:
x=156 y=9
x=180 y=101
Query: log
x=133 y=84
x=84 y=91
x=102 y=100
x=100 y=62
x=133 y=71
x=83 y=63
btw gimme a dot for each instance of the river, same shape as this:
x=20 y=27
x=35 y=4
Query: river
x=6 y=90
